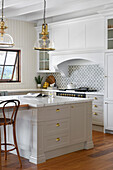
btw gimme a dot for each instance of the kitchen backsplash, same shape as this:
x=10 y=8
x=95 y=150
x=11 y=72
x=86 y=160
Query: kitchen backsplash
x=82 y=76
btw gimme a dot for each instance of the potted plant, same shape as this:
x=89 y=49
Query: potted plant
x=38 y=81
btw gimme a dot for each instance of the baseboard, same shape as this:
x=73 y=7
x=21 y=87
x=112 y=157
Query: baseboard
x=98 y=128
x=89 y=145
x=37 y=160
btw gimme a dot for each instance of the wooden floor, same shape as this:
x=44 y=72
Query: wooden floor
x=98 y=158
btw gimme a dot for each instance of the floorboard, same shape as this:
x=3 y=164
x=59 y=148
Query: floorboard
x=98 y=158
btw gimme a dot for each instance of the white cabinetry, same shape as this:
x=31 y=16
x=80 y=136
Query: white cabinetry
x=97 y=109
x=108 y=91
x=109 y=76
x=109 y=33
x=60 y=36
x=77 y=35
x=95 y=34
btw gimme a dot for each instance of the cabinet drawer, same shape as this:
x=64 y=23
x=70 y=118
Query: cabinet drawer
x=97 y=118
x=53 y=113
x=56 y=127
x=96 y=98
x=56 y=141
x=97 y=107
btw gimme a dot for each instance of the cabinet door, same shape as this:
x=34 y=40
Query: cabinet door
x=95 y=34
x=60 y=37
x=109 y=76
x=108 y=115
x=77 y=36
x=78 y=123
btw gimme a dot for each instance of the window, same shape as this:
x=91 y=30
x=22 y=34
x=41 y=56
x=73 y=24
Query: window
x=9 y=65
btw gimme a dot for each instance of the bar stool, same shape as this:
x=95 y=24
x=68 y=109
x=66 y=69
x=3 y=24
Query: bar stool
x=13 y=105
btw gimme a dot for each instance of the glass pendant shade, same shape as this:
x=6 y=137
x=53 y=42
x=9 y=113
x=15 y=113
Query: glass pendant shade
x=44 y=43
x=6 y=41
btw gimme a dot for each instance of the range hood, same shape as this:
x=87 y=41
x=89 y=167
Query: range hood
x=61 y=62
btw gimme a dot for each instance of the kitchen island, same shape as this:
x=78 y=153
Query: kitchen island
x=50 y=127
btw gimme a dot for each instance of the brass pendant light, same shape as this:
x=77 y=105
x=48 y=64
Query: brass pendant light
x=44 y=44
x=6 y=41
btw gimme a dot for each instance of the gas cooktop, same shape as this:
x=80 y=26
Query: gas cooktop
x=81 y=89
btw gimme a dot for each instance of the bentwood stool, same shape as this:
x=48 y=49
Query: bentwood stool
x=13 y=105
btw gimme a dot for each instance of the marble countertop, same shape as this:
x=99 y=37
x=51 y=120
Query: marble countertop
x=45 y=101
x=44 y=90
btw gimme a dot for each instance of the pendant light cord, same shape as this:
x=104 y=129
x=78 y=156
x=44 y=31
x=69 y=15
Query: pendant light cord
x=44 y=12
x=2 y=9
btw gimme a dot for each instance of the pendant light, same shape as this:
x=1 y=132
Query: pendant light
x=6 y=41
x=44 y=44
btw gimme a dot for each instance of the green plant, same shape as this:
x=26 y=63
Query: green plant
x=38 y=79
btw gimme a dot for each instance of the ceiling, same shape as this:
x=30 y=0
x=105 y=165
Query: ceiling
x=32 y=10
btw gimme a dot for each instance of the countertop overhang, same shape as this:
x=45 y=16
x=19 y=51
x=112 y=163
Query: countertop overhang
x=46 y=90
x=35 y=102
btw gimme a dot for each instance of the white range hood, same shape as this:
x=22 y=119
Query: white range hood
x=61 y=62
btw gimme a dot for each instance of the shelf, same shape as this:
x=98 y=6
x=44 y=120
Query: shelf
x=110 y=29
x=110 y=39
x=44 y=60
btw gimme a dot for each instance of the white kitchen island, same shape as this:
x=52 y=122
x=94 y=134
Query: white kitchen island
x=52 y=126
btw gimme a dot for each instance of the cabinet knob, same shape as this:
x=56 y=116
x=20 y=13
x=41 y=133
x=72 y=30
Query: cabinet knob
x=57 y=139
x=95 y=98
x=57 y=110
x=95 y=114
x=105 y=76
x=106 y=103
x=72 y=106
x=95 y=106
x=58 y=124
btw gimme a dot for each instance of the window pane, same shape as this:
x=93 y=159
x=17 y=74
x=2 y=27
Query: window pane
x=8 y=70
x=10 y=60
x=2 y=57
x=1 y=68
x=15 y=77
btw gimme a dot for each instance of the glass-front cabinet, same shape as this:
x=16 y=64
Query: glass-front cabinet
x=110 y=34
x=43 y=60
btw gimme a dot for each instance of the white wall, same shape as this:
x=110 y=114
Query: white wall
x=24 y=35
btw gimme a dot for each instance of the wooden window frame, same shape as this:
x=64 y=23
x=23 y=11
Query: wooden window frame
x=18 y=57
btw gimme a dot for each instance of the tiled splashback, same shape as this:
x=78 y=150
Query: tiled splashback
x=82 y=76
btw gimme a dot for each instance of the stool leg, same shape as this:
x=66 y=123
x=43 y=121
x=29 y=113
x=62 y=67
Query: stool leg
x=5 y=142
x=16 y=147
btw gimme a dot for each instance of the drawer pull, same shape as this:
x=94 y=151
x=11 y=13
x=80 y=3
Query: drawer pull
x=58 y=124
x=57 y=139
x=72 y=106
x=95 y=106
x=95 y=114
x=57 y=110
x=95 y=98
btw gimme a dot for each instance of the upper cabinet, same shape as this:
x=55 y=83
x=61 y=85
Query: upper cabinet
x=95 y=34
x=109 y=34
x=60 y=36
x=77 y=35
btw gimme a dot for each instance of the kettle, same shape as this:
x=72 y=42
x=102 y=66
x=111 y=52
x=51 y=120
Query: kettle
x=71 y=86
